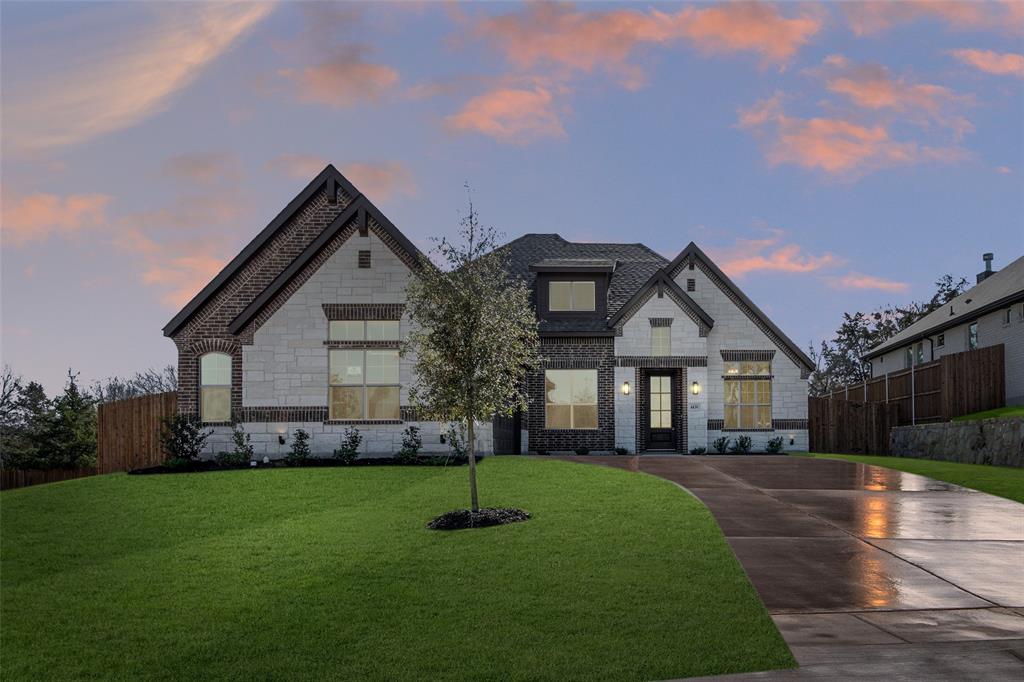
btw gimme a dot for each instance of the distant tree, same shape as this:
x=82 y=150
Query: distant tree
x=474 y=334
x=72 y=433
x=840 y=362
x=28 y=423
x=147 y=382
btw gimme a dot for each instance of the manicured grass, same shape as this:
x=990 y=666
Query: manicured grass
x=1005 y=482
x=1015 y=411
x=331 y=574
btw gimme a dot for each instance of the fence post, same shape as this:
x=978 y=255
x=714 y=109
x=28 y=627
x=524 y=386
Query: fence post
x=913 y=397
x=865 y=390
x=886 y=388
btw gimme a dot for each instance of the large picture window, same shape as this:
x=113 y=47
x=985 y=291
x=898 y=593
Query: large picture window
x=571 y=296
x=570 y=399
x=364 y=384
x=748 y=395
x=215 y=387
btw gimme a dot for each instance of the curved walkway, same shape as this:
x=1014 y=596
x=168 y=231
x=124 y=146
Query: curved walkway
x=868 y=572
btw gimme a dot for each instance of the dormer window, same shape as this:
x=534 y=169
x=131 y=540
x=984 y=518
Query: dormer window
x=572 y=296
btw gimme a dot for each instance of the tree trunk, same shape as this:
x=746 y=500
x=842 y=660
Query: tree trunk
x=471 y=451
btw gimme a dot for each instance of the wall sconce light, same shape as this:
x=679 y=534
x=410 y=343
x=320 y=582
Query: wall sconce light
x=280 y=438
x=695 y=388
x=625 y=388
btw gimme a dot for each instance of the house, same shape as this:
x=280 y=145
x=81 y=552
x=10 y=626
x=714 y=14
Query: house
x=302 y=330
x=988 y=314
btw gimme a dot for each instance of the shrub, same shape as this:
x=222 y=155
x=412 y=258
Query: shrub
x=742 y=444
x=698 y=451
x=621 y=451
x=721 y=444
x=543 y=453
x=774 y=445
x=299 y=452
x=582 y=451
x=182 y=438
x=231 y=459
x=411 y=445
x=349 y=450
x=242 y=453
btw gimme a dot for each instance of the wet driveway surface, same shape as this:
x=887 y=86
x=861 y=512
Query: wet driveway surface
x=868 y=572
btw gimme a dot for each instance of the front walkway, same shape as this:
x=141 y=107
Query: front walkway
x=868 y=572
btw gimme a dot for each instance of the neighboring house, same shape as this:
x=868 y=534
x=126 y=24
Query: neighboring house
x=302 y=330
x=990 y=313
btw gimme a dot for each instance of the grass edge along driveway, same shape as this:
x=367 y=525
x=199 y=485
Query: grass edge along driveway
x=1005 y=482
x=330 y=573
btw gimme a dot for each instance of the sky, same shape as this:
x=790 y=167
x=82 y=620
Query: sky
x=830 y=157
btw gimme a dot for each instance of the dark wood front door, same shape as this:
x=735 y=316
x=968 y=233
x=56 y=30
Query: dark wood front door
x=661 y=434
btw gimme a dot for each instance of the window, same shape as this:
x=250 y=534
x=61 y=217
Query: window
x=941 y=340
x=571 y=296
x=363 y=330
x=364 y=384
x=908 y=357
x=215 y=387
x=748 y=395
x=920 y=352
x=1007 y=316
x=972 y=336
x=661 y=340
x=570 y=399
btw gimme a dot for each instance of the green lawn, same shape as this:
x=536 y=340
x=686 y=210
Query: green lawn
x=1015 y=411
x=331 y=574
x=1005 y=482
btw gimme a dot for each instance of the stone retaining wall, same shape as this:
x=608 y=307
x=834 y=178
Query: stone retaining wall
x=982 y=441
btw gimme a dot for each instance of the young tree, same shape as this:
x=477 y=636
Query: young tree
x=474 y=334
x=27 y=429
x=72 y=435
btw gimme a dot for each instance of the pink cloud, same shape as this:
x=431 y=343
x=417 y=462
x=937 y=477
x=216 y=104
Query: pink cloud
x=381 y=180
x=1004 y=170
x=867 y=18
x=857 y=280
x=202 y=167
x=834 y=145
x=297 y=166
x=180 y=269
x=1000 y=64
x=771 y=255
x=344 y=80
x=38 y=216
x=510 y=115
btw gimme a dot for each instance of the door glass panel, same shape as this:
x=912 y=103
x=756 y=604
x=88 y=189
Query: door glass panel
x=661 y=402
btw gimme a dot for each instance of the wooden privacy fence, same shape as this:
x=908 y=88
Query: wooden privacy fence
x=20 y=478
x=128 y=433
x=844 y=426
x=953 y=385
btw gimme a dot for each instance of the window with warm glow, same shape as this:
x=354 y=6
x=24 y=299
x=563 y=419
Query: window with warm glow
x=570 y=399
x=661 y=340
x=748 y=395
x=572 y=296
x=363 y=330
x=215 y=387
x=364 y=384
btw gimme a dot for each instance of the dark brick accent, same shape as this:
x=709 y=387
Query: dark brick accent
x=716 y=424
x=661 y=321
x=570 y=353
x=364 y=344
x=661 y=361
x=364 y=311
x=784 y=424
x=777 y=425
x=680 y=416
x=739 y=355
x=281 y=414
x=641 y=302
x=364 y=259
x=691 y=284
x=188 y=373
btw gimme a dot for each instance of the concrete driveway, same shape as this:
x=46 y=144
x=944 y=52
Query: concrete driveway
x=868 y=572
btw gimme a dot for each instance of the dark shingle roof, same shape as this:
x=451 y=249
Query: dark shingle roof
x=634 y=263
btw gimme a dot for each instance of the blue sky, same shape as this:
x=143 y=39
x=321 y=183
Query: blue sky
x=831 y=157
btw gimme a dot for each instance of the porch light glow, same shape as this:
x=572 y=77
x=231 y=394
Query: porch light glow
x=625 y=388
x=695 y=388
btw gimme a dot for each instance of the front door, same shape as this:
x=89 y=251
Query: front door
x=661 y=434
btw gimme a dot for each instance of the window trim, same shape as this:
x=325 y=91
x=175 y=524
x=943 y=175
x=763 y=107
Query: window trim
x=573 y=405
x=203 y=385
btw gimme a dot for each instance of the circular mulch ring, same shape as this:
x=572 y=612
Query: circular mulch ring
x=489 y=516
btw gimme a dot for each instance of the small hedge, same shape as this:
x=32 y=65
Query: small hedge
x=199 y=466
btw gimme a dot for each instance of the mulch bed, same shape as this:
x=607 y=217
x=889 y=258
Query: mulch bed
x=314 y=462
x=488 y=516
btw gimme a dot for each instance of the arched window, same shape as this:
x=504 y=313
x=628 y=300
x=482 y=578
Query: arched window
x=215 y=387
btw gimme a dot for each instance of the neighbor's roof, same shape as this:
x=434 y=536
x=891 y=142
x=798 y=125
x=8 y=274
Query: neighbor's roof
x=1003 y=288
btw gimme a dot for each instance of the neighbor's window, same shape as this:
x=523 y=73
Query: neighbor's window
x=363 y=330
x=972 y=336
x=748 y=395
x=570 y=399
x=908 y=356
x=661 y=340
x=941 y=341
x=364 y=384
x=920 y=353
x=1008 y=316
x=571 y=296
x=215 y=387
